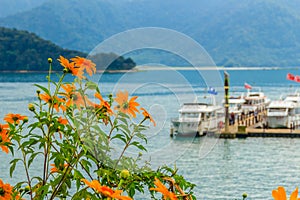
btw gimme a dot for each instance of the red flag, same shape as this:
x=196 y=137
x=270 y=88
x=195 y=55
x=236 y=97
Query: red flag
x=247 y=86
x=290 y=77
x=297 y=79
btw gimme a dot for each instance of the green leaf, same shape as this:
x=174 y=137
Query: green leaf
x=124 y=121
x=138 y=145
x=13 y=166
x=43 y=88
x=32 y=157
x=91 y=85
x=124 y=128
x=121 y=137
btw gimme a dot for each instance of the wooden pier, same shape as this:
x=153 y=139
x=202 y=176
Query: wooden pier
x=253 y=126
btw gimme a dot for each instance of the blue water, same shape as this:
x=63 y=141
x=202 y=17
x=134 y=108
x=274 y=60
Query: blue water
x=221 y=169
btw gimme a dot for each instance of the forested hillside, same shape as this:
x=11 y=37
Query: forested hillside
x=22 y=50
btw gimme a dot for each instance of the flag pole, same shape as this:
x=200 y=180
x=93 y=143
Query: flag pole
x=226 y=105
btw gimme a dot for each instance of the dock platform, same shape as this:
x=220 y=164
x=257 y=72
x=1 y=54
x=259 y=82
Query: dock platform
x=249 y=128
x=240 y=131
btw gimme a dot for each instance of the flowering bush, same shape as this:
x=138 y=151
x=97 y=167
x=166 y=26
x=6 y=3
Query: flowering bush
x=74 y=137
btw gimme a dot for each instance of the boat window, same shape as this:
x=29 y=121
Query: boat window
x=190 y=115
x=213 y=114
x=207 y=115
x=277 y=109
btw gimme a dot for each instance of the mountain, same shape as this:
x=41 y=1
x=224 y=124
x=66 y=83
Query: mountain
x=233 y=32
x=11 y=7
x=22 y=50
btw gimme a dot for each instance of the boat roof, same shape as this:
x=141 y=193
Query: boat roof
x=198 y=108
x=292 y=97
x=236 y=100
x=281 y=104
x=255 y=95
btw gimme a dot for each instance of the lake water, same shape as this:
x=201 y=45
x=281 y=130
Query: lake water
x=221 y=169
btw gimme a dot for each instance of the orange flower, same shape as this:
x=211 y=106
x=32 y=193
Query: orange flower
x=162 y=189
x=45 y=97
x=6 y=191
x=54 y=169
x=148 y=116
x=57 y=102
x=81 y=101
x=14 y=118
x=62 y=121
x=70 y=66
x=126 y=106
x=103 y=104
x=88 y=65
x=280 y=194
x=69 y=93
x=4 y=139
x=4 y=128
x=104 y=190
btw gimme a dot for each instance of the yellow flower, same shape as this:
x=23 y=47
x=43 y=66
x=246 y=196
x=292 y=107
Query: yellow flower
x=280 y=194
x=126 y=106
x=162 y=189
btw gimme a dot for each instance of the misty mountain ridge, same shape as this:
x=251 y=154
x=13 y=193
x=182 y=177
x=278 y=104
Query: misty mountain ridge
x=234 y=32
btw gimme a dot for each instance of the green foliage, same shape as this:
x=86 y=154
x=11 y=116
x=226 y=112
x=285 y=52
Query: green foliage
x=74 y=136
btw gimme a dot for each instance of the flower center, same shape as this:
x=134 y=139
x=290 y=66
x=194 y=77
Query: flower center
x=15 y=118
x=126 y=105
x=2 y=192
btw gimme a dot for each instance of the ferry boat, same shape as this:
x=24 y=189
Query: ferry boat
x=284 y=113
x=236 y=104
x=197 y=119
x=255 y=101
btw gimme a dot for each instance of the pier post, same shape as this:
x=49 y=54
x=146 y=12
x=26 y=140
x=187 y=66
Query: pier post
x=226 y=105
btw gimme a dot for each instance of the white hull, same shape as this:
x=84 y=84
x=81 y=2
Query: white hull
x=278 y=122
x=283 y=121
x=193 y=128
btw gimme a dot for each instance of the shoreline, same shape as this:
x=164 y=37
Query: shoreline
x=161 y=68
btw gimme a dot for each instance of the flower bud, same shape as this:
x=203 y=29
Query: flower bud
x=38 y=92
x=31 y=107
x=66 y=70
x=25 y=119
x=124 y=174
x=27 y=188
x=50 y=60
x=245 y=195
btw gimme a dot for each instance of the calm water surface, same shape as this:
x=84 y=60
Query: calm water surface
x=221 y=169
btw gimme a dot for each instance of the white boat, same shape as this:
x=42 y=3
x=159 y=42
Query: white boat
x=197 y=119
x=284 y=113
x=235 y=107
x=255 y=101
